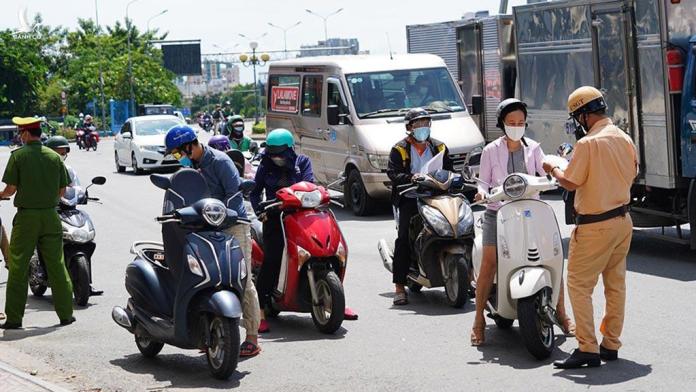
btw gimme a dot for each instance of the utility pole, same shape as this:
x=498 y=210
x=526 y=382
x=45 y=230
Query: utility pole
x=101 y=76
x=130 y=61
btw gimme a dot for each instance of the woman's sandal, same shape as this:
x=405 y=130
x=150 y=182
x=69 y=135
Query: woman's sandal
x=478 y=335
x=248 y=349
x=400 y=299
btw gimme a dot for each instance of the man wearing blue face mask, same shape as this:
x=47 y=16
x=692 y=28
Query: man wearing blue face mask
x=406 y=160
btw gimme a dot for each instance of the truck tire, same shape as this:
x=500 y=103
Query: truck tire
x=356 y=197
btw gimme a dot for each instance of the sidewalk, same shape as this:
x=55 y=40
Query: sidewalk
x=14 y=380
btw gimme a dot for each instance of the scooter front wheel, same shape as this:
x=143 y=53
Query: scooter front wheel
x=456 y=284
x=148 y=347
x=223 y=349
x=79 y=273
x=328 y=314
x=537 y=334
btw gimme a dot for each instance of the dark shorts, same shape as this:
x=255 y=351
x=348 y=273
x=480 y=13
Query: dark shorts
x=490 y=228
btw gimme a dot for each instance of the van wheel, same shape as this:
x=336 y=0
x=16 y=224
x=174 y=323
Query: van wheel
x=356 y=196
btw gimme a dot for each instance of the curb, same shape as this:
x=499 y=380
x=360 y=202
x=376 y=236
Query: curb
x=4 y=367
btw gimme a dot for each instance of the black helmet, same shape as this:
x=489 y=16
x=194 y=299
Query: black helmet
x=416 y=114
x=55 y=142
x=506 y=107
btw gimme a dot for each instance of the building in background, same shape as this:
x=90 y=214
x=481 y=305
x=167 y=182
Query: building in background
x=331 y=47
x=217 y=77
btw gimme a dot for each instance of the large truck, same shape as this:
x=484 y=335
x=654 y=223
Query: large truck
x=641 y=54
x=479 y=53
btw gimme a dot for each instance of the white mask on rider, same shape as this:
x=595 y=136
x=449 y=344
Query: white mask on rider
x=514 y=133
x=64 y=157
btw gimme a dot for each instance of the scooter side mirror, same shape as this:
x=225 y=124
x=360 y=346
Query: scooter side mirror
x=99 y=180
x=263 y=144
x=254 y=148
x=160 y=181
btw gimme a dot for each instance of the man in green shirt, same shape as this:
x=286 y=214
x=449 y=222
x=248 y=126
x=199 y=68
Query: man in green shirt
x=235 y=130
x=37 y=177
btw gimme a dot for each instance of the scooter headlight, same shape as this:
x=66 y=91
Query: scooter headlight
x=78 y=235
x=214 y=213
x=514 y=186
x=437 y=221
x=194 y=265
x=465 y=219
x=309 y=199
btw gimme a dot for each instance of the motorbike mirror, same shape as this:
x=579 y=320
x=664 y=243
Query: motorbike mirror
x=127 y=135
x=99 y=180
x=263 y=144
x=254 y=148
x=160 y=181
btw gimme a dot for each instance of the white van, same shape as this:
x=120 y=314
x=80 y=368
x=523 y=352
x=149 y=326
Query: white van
x=346 y=113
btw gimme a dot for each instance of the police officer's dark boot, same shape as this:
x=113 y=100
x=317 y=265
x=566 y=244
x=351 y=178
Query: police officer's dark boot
x=608 y=355
x=94 y=292
x=579 y=359
x=11 y=325
x=68 y=321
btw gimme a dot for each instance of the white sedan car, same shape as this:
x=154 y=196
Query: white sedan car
x=140 y=143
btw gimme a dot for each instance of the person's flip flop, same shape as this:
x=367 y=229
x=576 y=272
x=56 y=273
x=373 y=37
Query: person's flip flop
x=349 y=314
x=478 y=336
x=2 y=316
x=249 y=349
x=400 y=299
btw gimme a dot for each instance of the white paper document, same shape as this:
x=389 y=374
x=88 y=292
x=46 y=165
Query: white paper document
x=434 y=164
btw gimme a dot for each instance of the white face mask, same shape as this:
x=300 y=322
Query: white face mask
x=64 y=157
x=514 y=133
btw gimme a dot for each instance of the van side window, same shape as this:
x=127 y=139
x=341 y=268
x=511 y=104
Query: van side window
x=284 y=93
x=311 y=95
x=334 y=96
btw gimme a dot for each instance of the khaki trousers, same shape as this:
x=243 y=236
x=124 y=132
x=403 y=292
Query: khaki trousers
x=599 y=249
x=251 y=312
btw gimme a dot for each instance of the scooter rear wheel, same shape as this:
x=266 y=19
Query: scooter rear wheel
x=223 y=350
x=538 y=336
x=148 y=347
x=328 y=316
x=79 y=273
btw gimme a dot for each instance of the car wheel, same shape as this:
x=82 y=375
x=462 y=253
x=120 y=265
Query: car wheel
x=356 y=196
x=134 y=165
x=119 y=168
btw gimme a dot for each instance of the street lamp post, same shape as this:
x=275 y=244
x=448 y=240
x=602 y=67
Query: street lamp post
x=101 y=77
x=253 y=61
x=285 y=34
x=130 y=62
x=325 y=18
x=153 y=17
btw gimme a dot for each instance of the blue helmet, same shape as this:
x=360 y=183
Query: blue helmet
x=178 y=136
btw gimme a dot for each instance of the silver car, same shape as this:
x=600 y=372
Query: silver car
x=140 y=143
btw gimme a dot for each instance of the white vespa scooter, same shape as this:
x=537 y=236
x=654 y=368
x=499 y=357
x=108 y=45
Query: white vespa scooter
x=530 y=261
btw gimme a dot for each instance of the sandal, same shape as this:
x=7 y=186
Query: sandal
x=478 y=335
x=349 y=314
x=400 y=299
x=249 y=349
x=568 y=326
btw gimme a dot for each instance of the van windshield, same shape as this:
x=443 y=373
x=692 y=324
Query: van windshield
x=392 y=93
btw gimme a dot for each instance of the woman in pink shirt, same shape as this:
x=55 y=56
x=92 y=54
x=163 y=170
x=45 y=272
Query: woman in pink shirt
x=512 y=153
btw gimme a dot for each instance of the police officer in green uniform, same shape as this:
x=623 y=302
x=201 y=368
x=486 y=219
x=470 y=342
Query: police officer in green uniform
x=38 y=177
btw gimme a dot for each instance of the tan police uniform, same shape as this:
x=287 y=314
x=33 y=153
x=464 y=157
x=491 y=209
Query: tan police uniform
x=603 y=167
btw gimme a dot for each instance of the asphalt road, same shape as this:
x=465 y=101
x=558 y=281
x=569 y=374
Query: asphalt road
x=422 y=346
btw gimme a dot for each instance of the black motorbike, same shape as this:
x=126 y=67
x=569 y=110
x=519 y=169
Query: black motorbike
x=187 y=290
x=206 y=122
x=78 y=245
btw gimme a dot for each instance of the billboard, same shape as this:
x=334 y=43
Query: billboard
x=285 y=99
x=182 y=59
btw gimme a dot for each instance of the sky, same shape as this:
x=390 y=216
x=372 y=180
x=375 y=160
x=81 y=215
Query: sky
x=218 y=23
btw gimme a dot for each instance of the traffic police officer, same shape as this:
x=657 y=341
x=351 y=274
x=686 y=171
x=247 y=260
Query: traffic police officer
x=38 y=177
x=601 y=173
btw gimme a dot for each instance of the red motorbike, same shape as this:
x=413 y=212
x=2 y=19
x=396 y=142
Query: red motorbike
x=80 y=138
x=91 y=138
x=314 y=259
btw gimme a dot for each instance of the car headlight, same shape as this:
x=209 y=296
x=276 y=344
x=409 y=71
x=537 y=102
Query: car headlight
x=214 y=213
x=514 y=186
x=79 y=235
x=309 y=199
x=437 y=221
x=194 y=265
x=465 y=220
x=378 y=161
x=150 y=148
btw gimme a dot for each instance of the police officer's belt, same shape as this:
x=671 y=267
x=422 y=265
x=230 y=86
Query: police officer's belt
x=587 y=219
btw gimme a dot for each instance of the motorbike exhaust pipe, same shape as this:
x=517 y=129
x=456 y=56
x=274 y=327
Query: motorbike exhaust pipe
x=386 y=253
x=122 y=317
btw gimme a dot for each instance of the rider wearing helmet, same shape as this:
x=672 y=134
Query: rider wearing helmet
x=406 y=160
x=220 y=143
x=280 y=167
x=60 y=145
x=223 y=181
x=511 y=153
x=235 y=129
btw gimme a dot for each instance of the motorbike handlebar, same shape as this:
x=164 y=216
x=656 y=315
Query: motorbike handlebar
x=165 y=218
